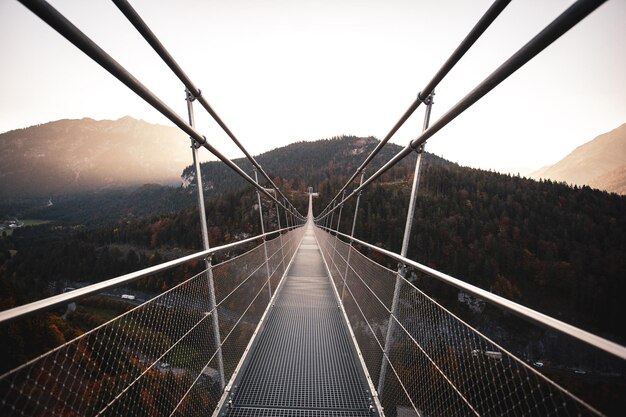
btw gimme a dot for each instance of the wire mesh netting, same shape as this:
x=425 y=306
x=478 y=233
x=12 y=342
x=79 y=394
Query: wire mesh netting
x=163 y=357
x=424 y=359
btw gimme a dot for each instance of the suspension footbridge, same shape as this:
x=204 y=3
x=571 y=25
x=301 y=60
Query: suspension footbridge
x=303 y=361
x=304 y=320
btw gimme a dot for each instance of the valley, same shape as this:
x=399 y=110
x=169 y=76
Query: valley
x=555 y=248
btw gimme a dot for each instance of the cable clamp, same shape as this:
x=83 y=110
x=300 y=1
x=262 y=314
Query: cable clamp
x=191 y=97
x=197 y=145
x=402 y=270
x=428 y=100
x=417 y=149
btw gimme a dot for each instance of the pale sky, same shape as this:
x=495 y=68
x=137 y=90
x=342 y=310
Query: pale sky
x=284 y=71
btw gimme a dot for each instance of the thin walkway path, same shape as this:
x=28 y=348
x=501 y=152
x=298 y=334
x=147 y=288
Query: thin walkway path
x=303 y=362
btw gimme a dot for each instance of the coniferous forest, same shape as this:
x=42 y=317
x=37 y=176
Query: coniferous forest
x=552 y=247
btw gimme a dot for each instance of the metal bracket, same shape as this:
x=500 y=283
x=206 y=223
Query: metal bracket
x=419 y=149
x=403 y=270
x=197 y=145
x=408 y=272
x=428 y=100
x=192 y=97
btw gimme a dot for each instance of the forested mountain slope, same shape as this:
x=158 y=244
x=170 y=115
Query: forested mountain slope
x=555 y=248
x=302 y=164
x=558 y=249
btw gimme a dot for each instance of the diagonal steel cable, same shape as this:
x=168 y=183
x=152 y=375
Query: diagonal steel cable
x=559 y=26
x=479 y=28
x=145 y=31
x=68 y=30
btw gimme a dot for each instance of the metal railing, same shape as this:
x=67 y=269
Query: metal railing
x=501 y=302
x=426 y=360
x=67 y=29
x=436 y=363
x=557 y=28
x=159 y=357
x=176 y=350
x=173 y=354
x=481 y=26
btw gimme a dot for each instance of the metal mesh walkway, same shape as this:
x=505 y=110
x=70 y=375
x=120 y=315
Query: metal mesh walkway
x=303 y=362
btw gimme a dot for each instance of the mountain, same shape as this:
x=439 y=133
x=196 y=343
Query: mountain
x=551 y=247
x=613 y=181
x=66 y=156
x=304 y=164
x=600 y=163
x=293 y=168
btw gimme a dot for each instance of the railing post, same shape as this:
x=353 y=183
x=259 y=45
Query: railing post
x=286 y=214
x=338 y=222
x=405 y=247
x=332 y=215
x=205 y=245
x=326 y=219
x=356 y=210
x=340 y=210
x=267 y=262
x=280 y=236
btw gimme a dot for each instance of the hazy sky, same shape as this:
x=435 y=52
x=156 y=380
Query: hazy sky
x=284 y=71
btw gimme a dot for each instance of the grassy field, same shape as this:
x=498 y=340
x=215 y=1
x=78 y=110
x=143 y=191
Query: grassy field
x=105 y=314
x=34 y=222
x=27 y=222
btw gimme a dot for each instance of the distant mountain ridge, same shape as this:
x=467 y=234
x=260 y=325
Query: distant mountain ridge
x=303 y=164
x=600 y=163
x=75 y=155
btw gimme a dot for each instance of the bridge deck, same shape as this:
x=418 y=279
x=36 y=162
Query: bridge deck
x=303 y=362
